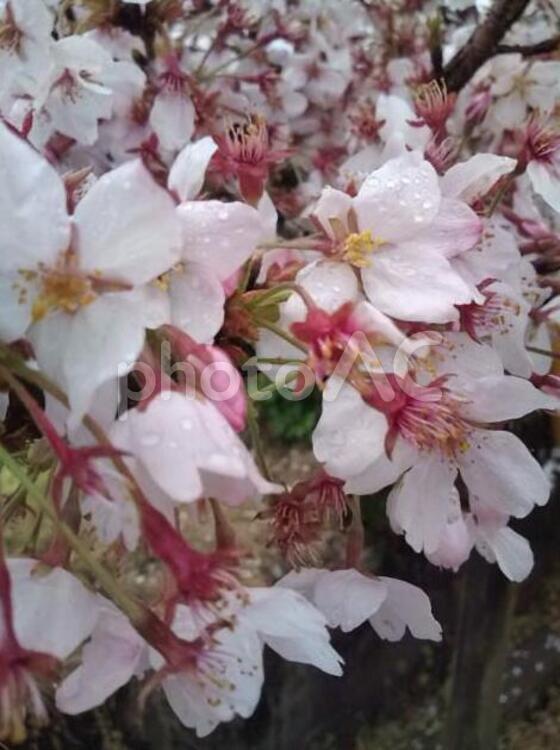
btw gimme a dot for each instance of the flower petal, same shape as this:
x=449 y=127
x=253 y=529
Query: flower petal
x=399 y=199
x=499 y=470
x=419 y=505
x=220 y=236
x=127 y=226
x=454 y=230
x=347 y=598
x=512 y=551
x=545 y=183
x=408 y=286
x=187 y=172
x=498 y=398
x=292 y=627
x=109 y=660
x=406 y=606
x=383 y=471
x=42 y=604
x=197 y=302
x=349 y=435
x=473 y=178
x=172 y=119
x=34 y=224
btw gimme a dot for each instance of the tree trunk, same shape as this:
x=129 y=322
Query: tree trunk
x=474 y=708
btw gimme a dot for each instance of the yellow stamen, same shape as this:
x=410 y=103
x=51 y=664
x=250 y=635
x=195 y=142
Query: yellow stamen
x=61 y=290
x=358 y=246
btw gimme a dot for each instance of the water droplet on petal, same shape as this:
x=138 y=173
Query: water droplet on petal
x=150 y=439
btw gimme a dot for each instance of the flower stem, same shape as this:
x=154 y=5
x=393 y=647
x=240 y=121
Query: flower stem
x=282 y=334
x=132 y=609
x=254 y=431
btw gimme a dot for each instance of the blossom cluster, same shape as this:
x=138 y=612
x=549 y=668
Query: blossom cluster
x=311 y=192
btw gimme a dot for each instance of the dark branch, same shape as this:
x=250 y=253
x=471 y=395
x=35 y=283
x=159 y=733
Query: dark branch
x=529 y=50
x=483 y=42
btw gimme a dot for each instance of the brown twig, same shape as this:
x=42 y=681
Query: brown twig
x=529 y=50
x=483 y=42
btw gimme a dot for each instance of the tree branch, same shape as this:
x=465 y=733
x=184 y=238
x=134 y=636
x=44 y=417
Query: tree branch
x=483 y=42
x=528 y=50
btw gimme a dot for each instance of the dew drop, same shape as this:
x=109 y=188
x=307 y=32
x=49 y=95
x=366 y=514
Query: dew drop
x=150 y=439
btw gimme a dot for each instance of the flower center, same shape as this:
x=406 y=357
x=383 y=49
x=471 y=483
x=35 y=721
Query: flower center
x=248 y=141
x=358 y=246
x=432 y=422
x=542 y=143
x=10 y=36
x=62 y=290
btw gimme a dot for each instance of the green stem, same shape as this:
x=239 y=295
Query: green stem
x=282 y=334
x=287 y=286
x=133 y=610
x=256 y=442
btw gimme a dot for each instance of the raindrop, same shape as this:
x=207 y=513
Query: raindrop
x=150 y=439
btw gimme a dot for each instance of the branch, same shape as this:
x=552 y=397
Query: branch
x=483 y=42
x=528 y=50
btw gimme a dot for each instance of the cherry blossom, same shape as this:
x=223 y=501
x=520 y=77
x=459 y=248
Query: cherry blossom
x=68 y=281
x=226 y=680
x=209 y=211
x=348 y=598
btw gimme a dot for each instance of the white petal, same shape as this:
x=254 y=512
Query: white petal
x=347 y=598
x=303 y=581
x=78 y=52
x=454 y=230
x=53 y=613
x=190 y=450
x=350 y=435
x=232 y=688
x=408 y=286
x=512 y=552
x=34 y=225
x=332 y=204
x=187 y=172
x=498 y=398
x=473 y=178
x=197 y=302
x=458 y=354
x=509 y=110
x=49 y=338
x=397 y=115
x=496 y=252
x=419 y=505
x=127 y=226
x=109 y=661
x=77 y=116
x=292 y=627
x=383 y=471
x=99 y=342
x=220 y=236
x=172 y=118
x=330 y=284
x=500 y=471
x=455 y=545
x=15 y=307
x=399 y=199
x=545 y=183
x=405 y=606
